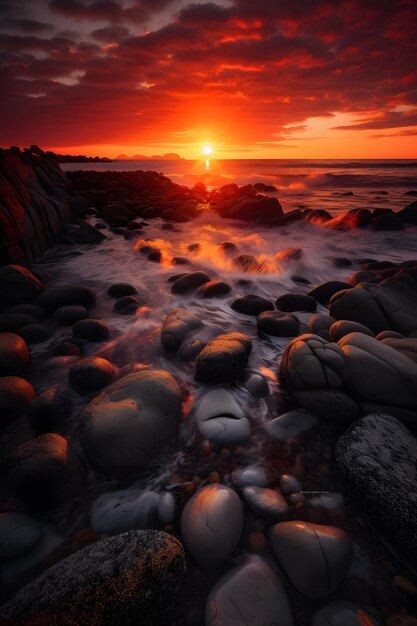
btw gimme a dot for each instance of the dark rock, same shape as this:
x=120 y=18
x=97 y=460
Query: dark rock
x=132 y=578
x=177 y=326
x=407 y=346
x=15 y=395
x=252 y=305
x=223 y=358
x=341 y=261
x=277 y=324
x=35 y=333
x=54 y=297
x=227 y=248
x=257 y=385
x=221 y=419
x=300 y=280
x=291 y=425
x=290 y=302
x=194 y=247
x=323 y=292
x=320 y=325
x=49 y=411
x=19 y=535
x=246 y=263
x=68 y=347
x=214 y=289
x=409 y=213
x=91 y=330
x=10 y=322
x=14 y=354
x=45 y=471
x=266 y=503
x=329 y=404
x=27 y=309
x=84 y=233
x=119 y=290
x=358 y=305
x=189 y=282
x=376 y=459
x=18 y=285
x=91 y=373
x=179 y=260
x=128 y=425
x=127 y=305
x=340 y=329
x=69 y=314
x=340 y=613
x=155 y=256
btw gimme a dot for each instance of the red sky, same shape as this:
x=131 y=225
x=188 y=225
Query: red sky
x=252 y=78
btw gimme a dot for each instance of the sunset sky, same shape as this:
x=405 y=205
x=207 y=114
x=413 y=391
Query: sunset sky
x=251 y=78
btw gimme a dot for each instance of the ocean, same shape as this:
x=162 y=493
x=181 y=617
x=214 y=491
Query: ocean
x=331 y=184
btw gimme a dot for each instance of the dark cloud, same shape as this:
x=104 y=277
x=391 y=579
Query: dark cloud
x=26 y=26
x=111 y=34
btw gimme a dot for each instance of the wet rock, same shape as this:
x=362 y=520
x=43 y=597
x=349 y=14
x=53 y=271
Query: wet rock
x=18 y=535
x=328 y=404
x=360 y=306
x=209 y=538
x=54 y=297
x=35 y=333
x=11 y=322
x=18 y=284
x=248 y=594
x=14 y=354
x=120 y=511
x=69 y=314
x=167 y=507
x=388 y=221
x=194 y=247
x=266 y=503
x=315 y=558
x=45 y=471
x=15 y=395
x=27 y=309
x=340 y=329
x=155 y=256
x=323 y=292
x=223 y=359
x=257 y=385
x=118 y=290
x=320 y=325
x=340 y=613
x=68 y=347
x=91 y=330
x=91 y=373
x=254 y=475
x=292 y=425
x=189 y=282
x=289 y=484
x=179 y=260
x=129 y=424
x=177 y=326
x=246 y=263
x=252 y=305
x=49 y=411
x=389 y=334
x=277 y=324
x=127 y=305
x=290 y=302
x=135 y=577
x=376 y=459
x=227 y=248
x=407 y=346
x=221 y=419
x=214 y=289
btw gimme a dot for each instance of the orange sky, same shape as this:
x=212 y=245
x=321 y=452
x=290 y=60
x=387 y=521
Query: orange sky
x=251 y=79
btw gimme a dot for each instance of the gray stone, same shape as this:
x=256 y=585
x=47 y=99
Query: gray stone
x=320 y=325
x=253 y=475
x=214 y=289
x=266 y=503
x=257 y=385
x=291 y=425
x=340 y=613
x=211 y=524
x=167 y=507
x=120 y=511
x=70 y=313
x=316 y=558
x=328 y=404
x=221 y=419
x=252 y=594
x=340 y=329
x=289 y=484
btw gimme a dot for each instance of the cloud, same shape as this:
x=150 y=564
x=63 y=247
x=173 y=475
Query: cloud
x=26 y=26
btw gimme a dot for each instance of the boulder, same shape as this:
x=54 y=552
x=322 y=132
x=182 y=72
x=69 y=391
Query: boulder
x=340 y=329
x=127 y=305
x=341 y=613
x=91 y=330
x=18 y=535
x=35 y=333
x=246 y=263
x=119 y=511
x=316 y=558
x=324 y=292
x=14 y=354
x=376 y=460
x=407 y=346
x=118 y=290
x=252 y=305
x=290 y=302
x=291 y=425
x=211 y=524
x=320 y=325
x=27 y=309
x=132 y=578
x=12 y=322
x=257 y=385
x=277 y=324
x=54 y=297
x=91 y=373
x=189 y=282
x=252 y=475
x=221 y=419
x=250 y=593
x=266 y=503
x=214 y=289
x=223 y=359
x=50 y=410
x=129 y=424
x=45 y=471
x=388 y=221
x=69 y=314
x=16 y=394
x=177 y=326
x=18 y=284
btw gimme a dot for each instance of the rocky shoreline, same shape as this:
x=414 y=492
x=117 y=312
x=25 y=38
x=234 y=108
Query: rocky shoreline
x=207 y=453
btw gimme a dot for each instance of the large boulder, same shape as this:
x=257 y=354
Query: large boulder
x=16 y=394
x=316 y=558
x=54 y=297
x=277 y=324
x=223 y=359
x=252 y=305
x=211 y=524
x=221 y=419
x=133 y=578
x=129 y=424
x=324 y=292
x=376 y=459
x=18 y=284
x=252 y=594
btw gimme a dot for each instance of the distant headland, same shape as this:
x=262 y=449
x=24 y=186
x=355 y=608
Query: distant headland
x=61 y=158
x=170 y=156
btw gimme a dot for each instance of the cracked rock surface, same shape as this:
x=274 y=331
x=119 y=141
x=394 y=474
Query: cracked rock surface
x=221 y=419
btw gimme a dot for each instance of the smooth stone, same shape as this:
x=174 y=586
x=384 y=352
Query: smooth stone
x=45 y=471
x=132 y=578
x=18 y=535
x=266 y=503
x=291 y=425
x=221 y=419
x=91 y=330
x=257 y=385
x=27 y=309
x=333 y=503
x=120 y=511
x=69 y=314
x=290 y=302
x=118 y=290
x=18 y=285
x=167 y=508
x=289 y=484
x=252 y=305
x=328 y=404
x=277 y=324
x=341 y=613
x=130 y=423
x=252 y=476
x=16 y=394
x=177 y=326
x=316 y=558
x=127 y=305
x=11 y=322
x=223 y=359
x=35 y=333
x=214 y=289
x=50 y=410
x=341 y=328
x=91 y=373
x=189 y=282
x=324 y=292
x=52 y=298
x=211 y=524
x=14 y=354
x=251 y=594
x=320 y=325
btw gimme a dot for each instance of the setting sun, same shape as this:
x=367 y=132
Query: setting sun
x=207 y=150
